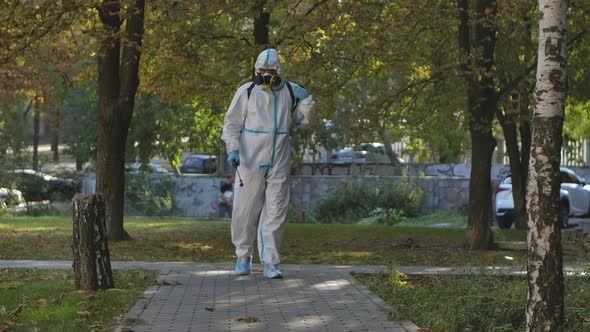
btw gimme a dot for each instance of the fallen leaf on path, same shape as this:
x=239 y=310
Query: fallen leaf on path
x=247 y=319
x=126 y=329
x=167 y=283
x=210 y=308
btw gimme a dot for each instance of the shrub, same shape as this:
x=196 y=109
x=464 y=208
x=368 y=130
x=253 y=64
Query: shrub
x=148 y=196
x=356 y=201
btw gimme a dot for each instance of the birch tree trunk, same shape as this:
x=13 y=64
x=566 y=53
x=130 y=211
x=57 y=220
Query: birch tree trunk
x=545 y=307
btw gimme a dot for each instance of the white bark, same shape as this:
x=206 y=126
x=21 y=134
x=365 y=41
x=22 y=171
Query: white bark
x=545 y=277
x=551 y=74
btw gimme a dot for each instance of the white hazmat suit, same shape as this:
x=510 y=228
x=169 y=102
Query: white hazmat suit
x=258 y=127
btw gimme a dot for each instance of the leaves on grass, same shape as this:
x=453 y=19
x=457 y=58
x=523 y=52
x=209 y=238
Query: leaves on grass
x=3 y=311
x=115 y=290
x=41 y=303
x=85 y=314
x=57 y=299
x=17 y=310
x=11 y=322
x=248 y=319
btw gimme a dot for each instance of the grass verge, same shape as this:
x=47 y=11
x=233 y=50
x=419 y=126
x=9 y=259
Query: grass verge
x=209 y=241
x=45 y=300
x=472 y=303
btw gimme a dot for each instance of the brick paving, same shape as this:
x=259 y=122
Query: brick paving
x=212 y=298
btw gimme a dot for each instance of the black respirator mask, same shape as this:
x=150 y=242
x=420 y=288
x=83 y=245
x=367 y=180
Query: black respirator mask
x=267 y=80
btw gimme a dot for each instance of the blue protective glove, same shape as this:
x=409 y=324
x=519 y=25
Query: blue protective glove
x=234 y=158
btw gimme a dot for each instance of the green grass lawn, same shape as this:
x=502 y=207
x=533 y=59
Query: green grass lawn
x=209 y=241
x=44 y=300
x=35 y=300
x=472 y=303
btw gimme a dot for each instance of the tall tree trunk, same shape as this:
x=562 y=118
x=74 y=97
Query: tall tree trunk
x=545 y=306
x=261 y=35
x=55 y=135
x=512 y=124
x=478 y=71
x=261 y=22
x=118 y=79
x=479 y=229
x=36 y=121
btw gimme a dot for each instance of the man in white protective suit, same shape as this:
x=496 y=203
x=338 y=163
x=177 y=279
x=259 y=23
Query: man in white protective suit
x=256 y=134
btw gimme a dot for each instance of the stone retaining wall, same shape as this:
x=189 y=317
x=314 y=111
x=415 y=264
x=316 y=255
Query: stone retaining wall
x=446 y=187
x=196 y=196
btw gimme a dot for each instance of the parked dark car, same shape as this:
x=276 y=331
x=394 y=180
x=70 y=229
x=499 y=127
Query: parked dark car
x=151 y=168
x=37 y=186
x=199 y=164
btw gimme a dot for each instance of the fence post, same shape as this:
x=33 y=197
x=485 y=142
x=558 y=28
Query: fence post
x=92 y=261
x=302 y=216
x=387 y=216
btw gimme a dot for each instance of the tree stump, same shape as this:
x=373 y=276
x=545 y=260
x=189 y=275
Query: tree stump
x=92 y=261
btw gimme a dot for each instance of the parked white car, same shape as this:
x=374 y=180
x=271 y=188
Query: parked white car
x=369 y=153
x=347 y=156
x=574 y=199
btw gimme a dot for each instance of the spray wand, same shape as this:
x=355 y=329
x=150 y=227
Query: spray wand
x=236 y=164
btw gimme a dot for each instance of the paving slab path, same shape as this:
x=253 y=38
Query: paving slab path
x=210 y=297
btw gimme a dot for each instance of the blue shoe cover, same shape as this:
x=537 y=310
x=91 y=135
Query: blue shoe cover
x=244 y=266
x=272 y=271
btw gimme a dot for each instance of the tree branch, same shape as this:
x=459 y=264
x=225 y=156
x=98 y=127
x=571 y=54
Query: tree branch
x=307 y=13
